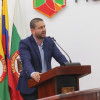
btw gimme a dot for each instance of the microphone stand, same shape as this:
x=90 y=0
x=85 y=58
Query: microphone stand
x=65 y=63
x=61 y=49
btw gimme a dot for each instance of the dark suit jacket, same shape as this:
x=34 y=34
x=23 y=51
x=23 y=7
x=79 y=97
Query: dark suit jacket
x=31 y=60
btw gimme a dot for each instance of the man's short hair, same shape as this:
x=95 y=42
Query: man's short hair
x=34 y=21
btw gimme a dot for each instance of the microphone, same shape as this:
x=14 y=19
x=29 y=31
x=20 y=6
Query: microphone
x=61 y=48
x=65 y=63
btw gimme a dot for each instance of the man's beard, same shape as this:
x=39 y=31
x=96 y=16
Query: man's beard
x=40 y=36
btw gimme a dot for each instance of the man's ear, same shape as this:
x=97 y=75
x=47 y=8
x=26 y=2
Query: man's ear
x=32 y=30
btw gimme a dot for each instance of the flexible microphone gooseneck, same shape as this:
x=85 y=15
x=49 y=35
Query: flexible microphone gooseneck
x=61 y=48
x=70 y=63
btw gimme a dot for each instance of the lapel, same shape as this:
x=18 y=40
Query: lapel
x=35 y=46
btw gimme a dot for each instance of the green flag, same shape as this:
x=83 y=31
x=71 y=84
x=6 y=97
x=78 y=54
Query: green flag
x=20 y=31
x=4 y=90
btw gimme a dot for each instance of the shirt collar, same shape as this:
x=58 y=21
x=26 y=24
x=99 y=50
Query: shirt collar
x=37 y=43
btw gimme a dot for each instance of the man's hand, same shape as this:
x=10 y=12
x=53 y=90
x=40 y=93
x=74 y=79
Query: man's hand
x=36 y=76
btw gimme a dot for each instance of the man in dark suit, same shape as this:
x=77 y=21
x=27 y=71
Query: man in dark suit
x=36 y=53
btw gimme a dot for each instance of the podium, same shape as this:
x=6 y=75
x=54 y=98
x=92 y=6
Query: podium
x=59 y=80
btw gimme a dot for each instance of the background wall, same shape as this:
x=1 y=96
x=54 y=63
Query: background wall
x=76 y=28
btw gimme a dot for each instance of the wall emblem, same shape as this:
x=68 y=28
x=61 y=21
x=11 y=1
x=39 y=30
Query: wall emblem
x=49 y=7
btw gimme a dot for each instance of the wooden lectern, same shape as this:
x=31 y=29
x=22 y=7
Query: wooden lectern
x=60 y=80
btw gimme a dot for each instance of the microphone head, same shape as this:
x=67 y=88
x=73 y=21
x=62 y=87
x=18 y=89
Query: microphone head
x=71 y=64
x=52 y=38
x=48 y=36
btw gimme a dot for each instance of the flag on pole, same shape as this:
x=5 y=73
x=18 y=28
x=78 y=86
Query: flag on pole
x=5 y=47
x=4 y=90
x=19 y=31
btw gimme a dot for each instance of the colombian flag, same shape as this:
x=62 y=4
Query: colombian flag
x=5 y=50
x=4 y=90
x=12 y=81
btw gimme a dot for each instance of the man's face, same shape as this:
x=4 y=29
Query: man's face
x=40 y=31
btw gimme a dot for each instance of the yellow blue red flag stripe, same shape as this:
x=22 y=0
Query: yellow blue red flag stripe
x=2 y=56
x=5 y=29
